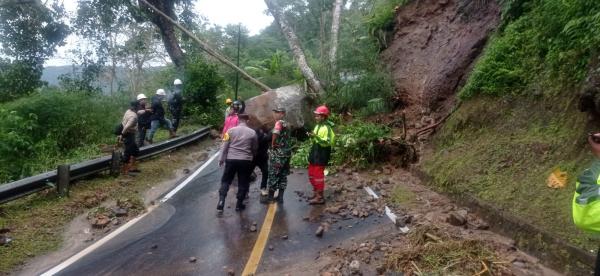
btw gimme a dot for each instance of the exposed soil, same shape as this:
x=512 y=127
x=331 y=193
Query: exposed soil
x=433 y=48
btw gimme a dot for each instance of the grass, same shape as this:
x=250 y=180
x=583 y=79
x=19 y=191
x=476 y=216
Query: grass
x=403 y=197
x=37 y=222
x=448 y=256
x=502 y=151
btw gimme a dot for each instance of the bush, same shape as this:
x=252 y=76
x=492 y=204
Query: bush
x=548 y=47
x=51 y=127
x=356 y=145
x=202 y=83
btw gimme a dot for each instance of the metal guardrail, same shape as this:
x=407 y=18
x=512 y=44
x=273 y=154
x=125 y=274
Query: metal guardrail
x=36 y=183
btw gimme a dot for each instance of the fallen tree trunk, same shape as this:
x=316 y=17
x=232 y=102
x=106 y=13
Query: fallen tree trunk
x=204 y=46
x=294 y=42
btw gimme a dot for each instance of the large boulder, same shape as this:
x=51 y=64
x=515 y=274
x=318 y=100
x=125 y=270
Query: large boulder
x=293 y=98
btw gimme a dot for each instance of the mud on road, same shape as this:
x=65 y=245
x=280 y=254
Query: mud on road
x=443 y=237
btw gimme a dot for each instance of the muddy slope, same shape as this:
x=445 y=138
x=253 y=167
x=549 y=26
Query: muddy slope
x=434 y=44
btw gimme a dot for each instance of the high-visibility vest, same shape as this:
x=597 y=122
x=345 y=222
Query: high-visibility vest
x=586 y=201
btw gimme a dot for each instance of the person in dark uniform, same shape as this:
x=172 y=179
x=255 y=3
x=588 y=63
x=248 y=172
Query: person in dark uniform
x=158 y=116
x=238 y=151
x=262 y=159
x=144 y=112
x=176 y=104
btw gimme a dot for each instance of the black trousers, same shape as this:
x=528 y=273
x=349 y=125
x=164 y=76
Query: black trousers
x=176 y=120
x=141 y=135
x=263 y=165
x=243 y=169
x=130 y=148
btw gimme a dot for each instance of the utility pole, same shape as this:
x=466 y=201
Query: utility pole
x=237 y=74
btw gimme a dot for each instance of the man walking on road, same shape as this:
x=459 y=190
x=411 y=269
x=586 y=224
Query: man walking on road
x=158 y=116
x=239 y=148
x=279 y=156
x=262 y=159
x=322 y=138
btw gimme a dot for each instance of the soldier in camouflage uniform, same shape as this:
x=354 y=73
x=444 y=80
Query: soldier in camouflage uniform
x=279 y=156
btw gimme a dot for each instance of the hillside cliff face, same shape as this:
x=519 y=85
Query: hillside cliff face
x=434 y=44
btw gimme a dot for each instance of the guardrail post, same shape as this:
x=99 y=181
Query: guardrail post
x=64 y=177
x=115 y=163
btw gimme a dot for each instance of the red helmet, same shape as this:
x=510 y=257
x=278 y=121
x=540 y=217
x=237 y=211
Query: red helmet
x=322 y=110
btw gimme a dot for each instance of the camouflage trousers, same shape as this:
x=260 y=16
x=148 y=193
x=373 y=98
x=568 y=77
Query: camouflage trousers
x=279 y=169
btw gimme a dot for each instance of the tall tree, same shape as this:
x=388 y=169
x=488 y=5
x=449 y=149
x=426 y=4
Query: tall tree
x=167 y=30
x=335 y=27
x=30 y=32
x=295 y=46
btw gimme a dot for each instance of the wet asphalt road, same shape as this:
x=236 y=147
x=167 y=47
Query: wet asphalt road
x=186 y=226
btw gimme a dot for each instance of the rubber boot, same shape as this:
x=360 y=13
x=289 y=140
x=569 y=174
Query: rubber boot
x=264 y=197
x=280 y=196
x=125 y=168
x=270 y=196
x=132 y=167
x=319 y=199
x=221 y=204
x=314 y=194
x=239 y=206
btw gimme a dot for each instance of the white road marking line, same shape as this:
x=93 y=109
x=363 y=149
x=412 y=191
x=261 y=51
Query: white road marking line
x=371 y=192
x=94 y=246
x=189 y=179
x=125 y=226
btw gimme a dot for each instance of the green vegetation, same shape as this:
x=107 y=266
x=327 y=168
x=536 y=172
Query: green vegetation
x=383 y=15
x=545 y=49
x=502 y=150
x=356 y=145
x=403 y=197
x=67 y=125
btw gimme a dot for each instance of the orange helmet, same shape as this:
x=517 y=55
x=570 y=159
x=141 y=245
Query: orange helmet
x=322 y=110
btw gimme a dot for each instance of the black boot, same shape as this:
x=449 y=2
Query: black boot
x=240 y=205
x=221 y=204
x=280 y=196
x=270 y=196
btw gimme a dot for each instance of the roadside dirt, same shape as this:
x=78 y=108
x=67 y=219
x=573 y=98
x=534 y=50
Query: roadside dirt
x=443 y=238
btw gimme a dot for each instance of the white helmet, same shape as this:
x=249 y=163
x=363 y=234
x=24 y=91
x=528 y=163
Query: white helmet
x=177 y=82
x=160 y=92
x=141 y=96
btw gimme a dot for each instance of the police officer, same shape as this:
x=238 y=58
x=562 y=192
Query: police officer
x=239 y=148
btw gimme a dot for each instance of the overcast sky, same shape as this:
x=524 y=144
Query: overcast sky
x=250 y=13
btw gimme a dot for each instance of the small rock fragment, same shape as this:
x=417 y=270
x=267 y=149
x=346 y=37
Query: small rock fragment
x=355 y=266
x=253 y=228
x=319 y=232
x=271 y=248
x=284 y=237
x=193 y=259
